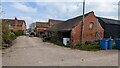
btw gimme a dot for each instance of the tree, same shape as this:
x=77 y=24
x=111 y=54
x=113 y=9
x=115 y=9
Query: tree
x=5 y=32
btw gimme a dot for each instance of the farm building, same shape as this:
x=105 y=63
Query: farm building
x=111 y=27
x=72 y=29
x=53 y=22
x=41 y=27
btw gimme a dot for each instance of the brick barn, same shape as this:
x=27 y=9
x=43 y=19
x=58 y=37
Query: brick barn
x=71 y=28
x=53 y=22
x=15 y=24
x=41 y=27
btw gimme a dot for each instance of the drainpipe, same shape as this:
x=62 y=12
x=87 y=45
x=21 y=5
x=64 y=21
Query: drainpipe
x=82 y=32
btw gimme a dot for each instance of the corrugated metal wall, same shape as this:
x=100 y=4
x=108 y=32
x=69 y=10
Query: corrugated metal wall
x=112 y=30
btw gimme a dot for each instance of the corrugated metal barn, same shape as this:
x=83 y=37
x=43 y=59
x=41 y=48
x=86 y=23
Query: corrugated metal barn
x=111 y=27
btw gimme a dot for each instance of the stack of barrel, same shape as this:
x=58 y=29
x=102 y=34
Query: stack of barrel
x=106 y=43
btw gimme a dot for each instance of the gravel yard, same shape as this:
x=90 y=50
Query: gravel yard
x=31 y=51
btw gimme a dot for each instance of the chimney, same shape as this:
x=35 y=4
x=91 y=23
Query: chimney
x=15 y=18
x=16 y=23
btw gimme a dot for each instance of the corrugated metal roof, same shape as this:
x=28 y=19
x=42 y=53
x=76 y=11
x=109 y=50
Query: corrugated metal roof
x=109 y=21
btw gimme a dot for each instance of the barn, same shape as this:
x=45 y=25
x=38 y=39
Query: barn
x=111 y=27
x=71 y=29
x=41 y=28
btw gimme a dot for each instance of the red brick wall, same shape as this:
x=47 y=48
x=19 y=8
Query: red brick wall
x=19 y=28
x=75 y=34
x=88 y=34
x=24 y=27
x=15 y=28
x=40 y=29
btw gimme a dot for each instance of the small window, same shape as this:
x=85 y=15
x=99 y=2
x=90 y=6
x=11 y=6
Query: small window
x=91 y=25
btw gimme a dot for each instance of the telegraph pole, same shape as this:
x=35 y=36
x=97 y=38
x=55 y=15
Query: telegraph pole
x=82 y=32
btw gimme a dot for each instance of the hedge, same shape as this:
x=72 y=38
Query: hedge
x=19 y=32
x=55 y=38
x=12 y=36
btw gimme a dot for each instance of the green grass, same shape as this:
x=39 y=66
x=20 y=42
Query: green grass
x=88 y=47
x=92 y=46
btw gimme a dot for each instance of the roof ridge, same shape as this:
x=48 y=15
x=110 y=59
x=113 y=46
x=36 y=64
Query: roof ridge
x=107 y=18
x=80 y=15
x=55 y=20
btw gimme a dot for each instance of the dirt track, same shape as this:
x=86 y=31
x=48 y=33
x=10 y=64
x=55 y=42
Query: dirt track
x=31 y=51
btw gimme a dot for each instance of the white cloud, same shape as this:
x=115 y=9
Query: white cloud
x=25 y=17
x=45 y=18
x=110 y=17
x=23 y=7
x=58 y=0
x=66 y=10
x=41 y=20
x=28 y=19
x=103 y=6
x=103 y=1
x=60 y=9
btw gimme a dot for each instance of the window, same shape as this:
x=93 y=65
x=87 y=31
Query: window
x=91 y=25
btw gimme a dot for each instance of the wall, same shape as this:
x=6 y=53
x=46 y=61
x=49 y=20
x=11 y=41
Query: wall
x=88 y=34
x=40 y=29
x=24 y=26
x=75 y=34
x=16 y=27
x=112 y=30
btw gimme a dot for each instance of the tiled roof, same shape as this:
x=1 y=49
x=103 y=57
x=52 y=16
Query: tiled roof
x=42 y=24
x=68 y=24
x=20 y=22
x=52 y=21
x=12 y=22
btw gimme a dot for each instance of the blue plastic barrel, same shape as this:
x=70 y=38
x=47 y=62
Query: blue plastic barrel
x=109 y=43
x=104 y=44
x=117 y=42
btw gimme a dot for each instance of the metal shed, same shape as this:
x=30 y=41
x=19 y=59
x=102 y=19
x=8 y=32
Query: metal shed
x=111 y=27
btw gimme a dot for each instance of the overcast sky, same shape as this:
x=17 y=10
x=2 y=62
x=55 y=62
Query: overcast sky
x=42 y=10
